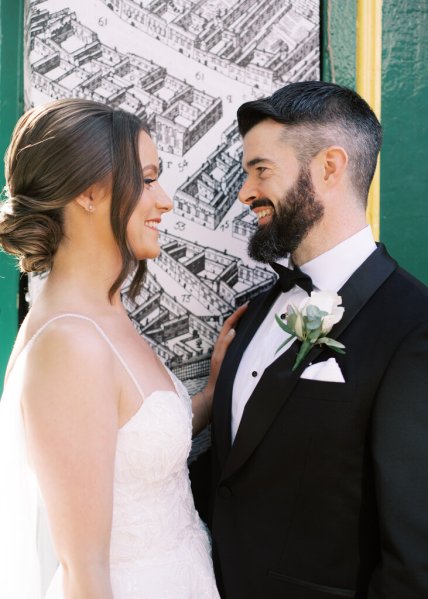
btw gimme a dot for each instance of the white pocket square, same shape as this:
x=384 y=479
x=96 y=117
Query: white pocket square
x=328 y=371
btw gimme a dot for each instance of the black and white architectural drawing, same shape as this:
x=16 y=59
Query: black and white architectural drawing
x=184 y=67
x=260 y=43
x=208 y=194
x=216 y=281
x=244 y=225
x=68 y=60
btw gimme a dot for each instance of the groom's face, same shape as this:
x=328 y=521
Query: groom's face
x=279 y=191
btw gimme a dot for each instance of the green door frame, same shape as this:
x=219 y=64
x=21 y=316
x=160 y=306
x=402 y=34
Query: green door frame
x=11 y=107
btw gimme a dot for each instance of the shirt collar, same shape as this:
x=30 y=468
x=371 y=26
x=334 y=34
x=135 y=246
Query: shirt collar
x=333 y=268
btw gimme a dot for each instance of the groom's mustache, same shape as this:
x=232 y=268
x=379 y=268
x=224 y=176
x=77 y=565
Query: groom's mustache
x=261 y=202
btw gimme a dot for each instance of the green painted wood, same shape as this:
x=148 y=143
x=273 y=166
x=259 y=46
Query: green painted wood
x=404 y=161
x=404 y=157
x=343 y=18
x=11 y=107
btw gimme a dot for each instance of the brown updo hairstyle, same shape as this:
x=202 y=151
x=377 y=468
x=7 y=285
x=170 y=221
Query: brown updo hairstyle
x=57 y=151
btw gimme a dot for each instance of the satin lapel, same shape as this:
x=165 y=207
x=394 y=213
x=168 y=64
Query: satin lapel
x=357 y=291
x=249 y=324
x=267 y=399
x=278 y=380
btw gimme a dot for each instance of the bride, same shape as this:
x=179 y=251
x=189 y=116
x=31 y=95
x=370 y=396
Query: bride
x=94 y=431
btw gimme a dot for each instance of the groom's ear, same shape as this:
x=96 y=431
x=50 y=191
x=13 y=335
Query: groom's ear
x=329 y=167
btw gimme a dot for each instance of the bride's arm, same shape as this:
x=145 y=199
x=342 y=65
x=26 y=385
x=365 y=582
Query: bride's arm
x=202 y=401
x=71 y=419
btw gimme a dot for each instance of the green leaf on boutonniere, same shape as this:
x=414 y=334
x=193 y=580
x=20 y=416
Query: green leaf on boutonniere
x=305 y=348
x=313 y=335
x=285 y=343
x=285 y=327
x=313 y=325
x=314 y=313
x=336 y=345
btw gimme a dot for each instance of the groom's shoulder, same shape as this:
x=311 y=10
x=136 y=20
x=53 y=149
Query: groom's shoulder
x=412 y=283
x=414 y=288
x=400 y=298
x=407 y=293
x=394 y=275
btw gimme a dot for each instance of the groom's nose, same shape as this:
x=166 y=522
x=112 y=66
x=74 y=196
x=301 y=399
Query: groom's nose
x=248 y=192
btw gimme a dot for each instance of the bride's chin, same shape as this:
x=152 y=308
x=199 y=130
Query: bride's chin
x=147 y=254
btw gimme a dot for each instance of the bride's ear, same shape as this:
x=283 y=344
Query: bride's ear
x=86 y=200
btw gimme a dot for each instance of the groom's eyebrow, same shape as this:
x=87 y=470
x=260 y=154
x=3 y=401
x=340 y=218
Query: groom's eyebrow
x=253 y=162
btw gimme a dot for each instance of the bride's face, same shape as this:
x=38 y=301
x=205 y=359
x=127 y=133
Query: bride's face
x=142 y=230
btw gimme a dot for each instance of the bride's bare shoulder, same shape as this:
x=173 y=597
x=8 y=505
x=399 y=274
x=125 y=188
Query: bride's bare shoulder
x=66 y=348
x=72 y=335
x=69 y=375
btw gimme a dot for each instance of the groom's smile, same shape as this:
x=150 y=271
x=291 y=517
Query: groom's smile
x=263 y=209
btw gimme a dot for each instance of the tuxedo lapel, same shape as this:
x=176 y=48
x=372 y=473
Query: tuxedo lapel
x=249 y=324
x=278 y=380
x=267 y=399
x=357 y=291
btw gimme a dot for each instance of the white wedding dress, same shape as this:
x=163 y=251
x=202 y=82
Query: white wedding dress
x=159 y=546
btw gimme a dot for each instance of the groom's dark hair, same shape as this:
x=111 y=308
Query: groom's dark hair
x=316 y=115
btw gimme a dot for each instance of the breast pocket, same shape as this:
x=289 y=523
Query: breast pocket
x=324 y=390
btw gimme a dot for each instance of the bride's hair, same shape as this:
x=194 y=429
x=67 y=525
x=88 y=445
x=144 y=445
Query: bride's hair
x=57 y=151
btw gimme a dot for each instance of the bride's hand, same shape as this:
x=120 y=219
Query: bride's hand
x=224 y=339
x=202 y=401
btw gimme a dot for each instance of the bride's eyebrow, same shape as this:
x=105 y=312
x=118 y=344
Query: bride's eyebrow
x=151 y=167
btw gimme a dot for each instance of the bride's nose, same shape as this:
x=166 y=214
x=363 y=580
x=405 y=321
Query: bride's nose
x=163 y=201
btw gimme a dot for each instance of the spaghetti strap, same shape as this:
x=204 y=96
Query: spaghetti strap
x=101 y=332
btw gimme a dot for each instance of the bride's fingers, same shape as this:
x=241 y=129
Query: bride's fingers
x=233 y=320
x=228 y=331
x=224 y=339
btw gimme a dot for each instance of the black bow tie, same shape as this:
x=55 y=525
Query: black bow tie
x=289 y=277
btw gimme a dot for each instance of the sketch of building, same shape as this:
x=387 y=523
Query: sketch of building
x=208 y=194
x=181 y=339
x=190 y=115
x=263 y=46
x=218 y=281
x=244 y=225
x=68 y=60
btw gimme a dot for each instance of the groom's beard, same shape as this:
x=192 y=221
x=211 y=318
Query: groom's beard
x=293 y=218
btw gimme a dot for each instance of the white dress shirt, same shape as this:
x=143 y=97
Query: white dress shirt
x=329 y=272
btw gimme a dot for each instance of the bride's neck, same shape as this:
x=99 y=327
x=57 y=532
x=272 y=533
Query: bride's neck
x=83 y=277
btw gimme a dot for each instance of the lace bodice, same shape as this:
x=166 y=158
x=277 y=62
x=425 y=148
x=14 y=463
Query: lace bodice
x=153 y=506
x=157 y=534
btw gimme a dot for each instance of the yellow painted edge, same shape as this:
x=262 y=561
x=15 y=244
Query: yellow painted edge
x=369 y=84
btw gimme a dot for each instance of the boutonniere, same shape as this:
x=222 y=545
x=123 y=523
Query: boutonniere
x=312 y=321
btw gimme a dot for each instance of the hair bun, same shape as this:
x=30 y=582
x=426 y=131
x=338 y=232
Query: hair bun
x=33 y=238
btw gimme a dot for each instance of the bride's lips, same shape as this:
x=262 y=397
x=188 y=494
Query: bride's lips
x=152 y=224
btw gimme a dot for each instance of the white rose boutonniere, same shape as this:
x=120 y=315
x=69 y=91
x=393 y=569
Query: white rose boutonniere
x=312 y=321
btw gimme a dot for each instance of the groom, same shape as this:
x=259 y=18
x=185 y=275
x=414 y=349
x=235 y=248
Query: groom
x=321 y=471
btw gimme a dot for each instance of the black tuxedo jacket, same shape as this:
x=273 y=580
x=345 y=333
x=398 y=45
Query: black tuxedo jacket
x=324 y=493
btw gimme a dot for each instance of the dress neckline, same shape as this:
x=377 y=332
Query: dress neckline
x=145 y=402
